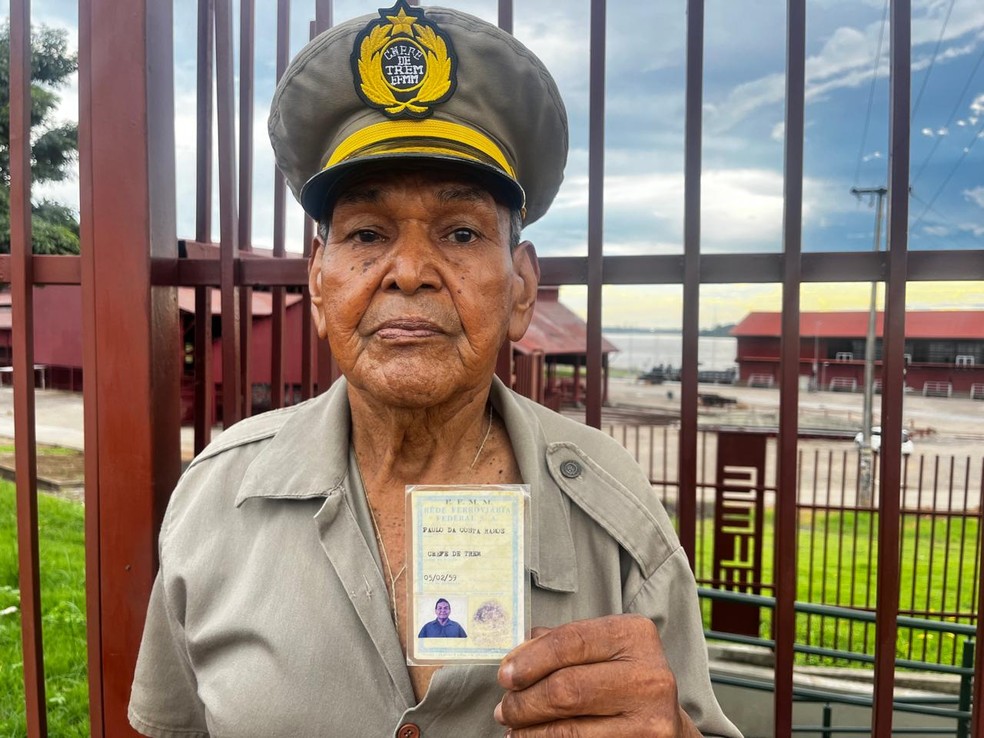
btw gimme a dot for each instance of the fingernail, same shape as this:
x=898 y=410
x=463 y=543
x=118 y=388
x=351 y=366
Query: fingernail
x=497 y=714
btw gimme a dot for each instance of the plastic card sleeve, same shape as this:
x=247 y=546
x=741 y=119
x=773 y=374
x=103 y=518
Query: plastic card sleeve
x=468 y=588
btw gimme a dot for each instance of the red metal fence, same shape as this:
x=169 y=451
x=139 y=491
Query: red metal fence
x=130 y=267
x=940 y=553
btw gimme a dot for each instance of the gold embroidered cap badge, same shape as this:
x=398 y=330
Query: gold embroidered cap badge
x=403 y=64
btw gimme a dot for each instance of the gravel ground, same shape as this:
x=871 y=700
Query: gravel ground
x=948 y=437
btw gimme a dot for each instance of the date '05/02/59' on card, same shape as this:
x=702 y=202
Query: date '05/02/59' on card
x=468 y=588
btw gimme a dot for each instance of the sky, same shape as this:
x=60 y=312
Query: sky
x=846 y=137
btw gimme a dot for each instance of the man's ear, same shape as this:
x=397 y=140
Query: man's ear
x=314 y=285
x=526 y=280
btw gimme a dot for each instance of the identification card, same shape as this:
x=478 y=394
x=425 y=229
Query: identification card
x=468 y=586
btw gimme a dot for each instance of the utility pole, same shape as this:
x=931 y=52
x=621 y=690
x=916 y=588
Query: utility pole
x=865 y=476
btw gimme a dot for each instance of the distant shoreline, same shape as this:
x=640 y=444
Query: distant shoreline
x=722 y=331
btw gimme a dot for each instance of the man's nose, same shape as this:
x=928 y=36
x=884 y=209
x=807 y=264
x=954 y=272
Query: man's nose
x=414 y=260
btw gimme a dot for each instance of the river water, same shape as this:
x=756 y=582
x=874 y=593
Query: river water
x=641 y=351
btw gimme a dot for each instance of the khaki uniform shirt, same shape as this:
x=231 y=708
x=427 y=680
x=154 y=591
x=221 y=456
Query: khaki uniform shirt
x=270 y=617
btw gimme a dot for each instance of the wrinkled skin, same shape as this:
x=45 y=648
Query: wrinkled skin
x=600 y=677
x=416 y=288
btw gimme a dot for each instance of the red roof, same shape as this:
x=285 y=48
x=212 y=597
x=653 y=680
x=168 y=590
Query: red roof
x=262 y=302
x=555 y=329
x=943 y=324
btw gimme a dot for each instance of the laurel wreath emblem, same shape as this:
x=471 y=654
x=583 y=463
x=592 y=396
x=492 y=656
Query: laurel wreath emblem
x=437 y=78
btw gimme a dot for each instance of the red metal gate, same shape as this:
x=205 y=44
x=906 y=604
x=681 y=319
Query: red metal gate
x=130 y=268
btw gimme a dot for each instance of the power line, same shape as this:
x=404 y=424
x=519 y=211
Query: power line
x=871 y=92
x=946 y=220
x=932 y=62
x=978 y=134
x=953 y=114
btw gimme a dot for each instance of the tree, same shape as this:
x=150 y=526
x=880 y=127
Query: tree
x=55 y=227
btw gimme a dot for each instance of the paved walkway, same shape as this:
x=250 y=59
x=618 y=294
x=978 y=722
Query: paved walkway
x=60 y=420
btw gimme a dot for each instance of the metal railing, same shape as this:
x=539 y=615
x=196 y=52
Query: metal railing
x=941 y=514
x=930 y=706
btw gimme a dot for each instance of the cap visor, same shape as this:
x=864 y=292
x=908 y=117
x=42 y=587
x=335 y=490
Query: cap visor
x=320 y=192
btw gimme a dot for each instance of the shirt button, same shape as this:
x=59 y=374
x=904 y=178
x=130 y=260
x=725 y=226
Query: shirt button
x=408 y=730
x=570 y=469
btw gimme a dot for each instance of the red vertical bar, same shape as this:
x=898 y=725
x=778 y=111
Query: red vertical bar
x=278 y=319
x=958 y=598
x=691 y=277
x=786 y=527
x=977 y=720
x=22 y=297
x=893 y=367
x=323 y=16
x=232 y=399
x=506 y=15
x=244 y=231
x=596 y=210
x=130 y=328
x=204 y=401
x=203 y=191
x=93 y=557
x=204 y=387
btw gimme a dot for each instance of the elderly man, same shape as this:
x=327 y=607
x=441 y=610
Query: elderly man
x=421 y=141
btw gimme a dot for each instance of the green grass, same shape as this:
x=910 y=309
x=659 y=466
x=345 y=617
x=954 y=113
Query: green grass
x=42 y=450
x=62 y=554
x=837 y=561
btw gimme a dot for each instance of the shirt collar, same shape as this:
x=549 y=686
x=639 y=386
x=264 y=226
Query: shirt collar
x=308 y=457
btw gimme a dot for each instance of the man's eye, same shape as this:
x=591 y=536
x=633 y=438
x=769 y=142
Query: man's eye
x=366 y=236
x=463 y=235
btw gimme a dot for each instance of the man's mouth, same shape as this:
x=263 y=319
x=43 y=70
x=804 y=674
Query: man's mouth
x=408 y=328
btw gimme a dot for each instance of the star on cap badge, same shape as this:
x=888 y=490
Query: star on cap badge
x=402 y=23
x=403 y=64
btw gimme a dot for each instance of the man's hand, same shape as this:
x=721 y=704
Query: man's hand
x=601 y=677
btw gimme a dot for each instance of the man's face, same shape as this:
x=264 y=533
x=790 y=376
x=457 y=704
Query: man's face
x=443 y=612
x=416 y=287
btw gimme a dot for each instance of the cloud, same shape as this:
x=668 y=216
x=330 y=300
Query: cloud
x=741 y=209
x=975 y=196
x=846 y=60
